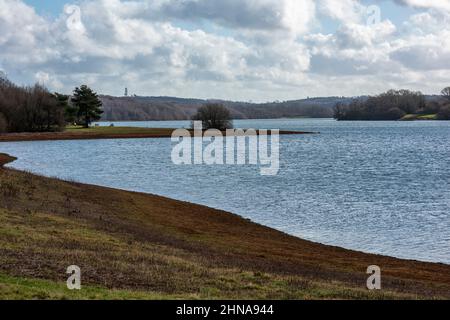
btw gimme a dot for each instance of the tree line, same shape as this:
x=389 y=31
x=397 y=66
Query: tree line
x=394 y=105
x=36 y=109
x=137 y=108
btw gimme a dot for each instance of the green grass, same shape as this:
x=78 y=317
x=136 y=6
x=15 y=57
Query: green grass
x=428 y=117
x=17 y=288
x=412 y=117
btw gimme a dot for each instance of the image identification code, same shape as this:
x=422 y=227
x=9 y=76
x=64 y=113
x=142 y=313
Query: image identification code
x=228 y=310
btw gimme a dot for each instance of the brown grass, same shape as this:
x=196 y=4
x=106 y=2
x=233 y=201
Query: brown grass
x=5 y=159
x=101 y=133
x=132 y=241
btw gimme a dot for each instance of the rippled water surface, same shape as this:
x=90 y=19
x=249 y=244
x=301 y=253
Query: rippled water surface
x=380 y=187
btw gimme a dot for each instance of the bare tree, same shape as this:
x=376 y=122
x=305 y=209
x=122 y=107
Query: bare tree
x=446 y=93
x=3 y=123
x=444 y=113
x=339 y=110
x=214 y=116
x=28 y=109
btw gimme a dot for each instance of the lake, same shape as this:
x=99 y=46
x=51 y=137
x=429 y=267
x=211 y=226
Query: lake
x=378 y=187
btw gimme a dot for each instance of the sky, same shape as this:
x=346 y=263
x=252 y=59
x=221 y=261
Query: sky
x=243 y=50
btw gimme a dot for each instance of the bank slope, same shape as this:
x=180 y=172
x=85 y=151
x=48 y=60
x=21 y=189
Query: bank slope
x=133 y=245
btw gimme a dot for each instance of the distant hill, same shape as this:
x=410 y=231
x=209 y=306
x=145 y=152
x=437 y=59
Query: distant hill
x=171 y=108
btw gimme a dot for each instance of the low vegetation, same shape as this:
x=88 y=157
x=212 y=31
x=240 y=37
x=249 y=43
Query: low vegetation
x=18 y=288
x=137 y=246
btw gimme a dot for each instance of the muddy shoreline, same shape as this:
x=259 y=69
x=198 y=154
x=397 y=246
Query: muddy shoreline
x=74 y=135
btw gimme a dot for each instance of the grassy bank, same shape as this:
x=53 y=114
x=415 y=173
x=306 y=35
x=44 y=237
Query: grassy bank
x=415 y=117
x=139 y=246
x=80 y=133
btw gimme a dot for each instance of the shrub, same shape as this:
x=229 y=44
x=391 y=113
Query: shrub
x=214 y=116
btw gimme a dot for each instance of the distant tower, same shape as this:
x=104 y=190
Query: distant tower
x=126 y=92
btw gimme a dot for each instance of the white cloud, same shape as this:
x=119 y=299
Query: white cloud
x=22 y=29
x=293 y=16
x=347 y=11
x=247 y=49
x=427 y=4
x=427 y=46
x=363 y=36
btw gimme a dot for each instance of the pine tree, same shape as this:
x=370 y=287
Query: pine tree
x=88 y=105
x=70 y=111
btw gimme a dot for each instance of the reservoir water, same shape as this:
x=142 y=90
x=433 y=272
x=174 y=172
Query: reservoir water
x=379 y=187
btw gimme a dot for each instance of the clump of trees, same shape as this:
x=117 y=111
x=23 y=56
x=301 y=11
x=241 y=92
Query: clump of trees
x=35 y=109
x=214 y=116
x=444 y=111
x=28 y=109
x=394 y=105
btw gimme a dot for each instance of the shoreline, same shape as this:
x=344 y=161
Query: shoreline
x=106 y=133
x=210 y=235
x=5 y=159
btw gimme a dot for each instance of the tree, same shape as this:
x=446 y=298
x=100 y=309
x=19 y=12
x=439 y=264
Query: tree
x=432 y=107
x=391 y=105
x=88 y=105
x=52 y=112
x=214 y=116
x=446 y=93
x=70 y=111
x=28 y=109
x=3 y=123
x=339 y=111
x=444 y=113
x=395 y=114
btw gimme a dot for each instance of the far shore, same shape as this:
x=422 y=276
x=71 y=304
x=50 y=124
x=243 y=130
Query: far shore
x=94 y=133
x=173 y=249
